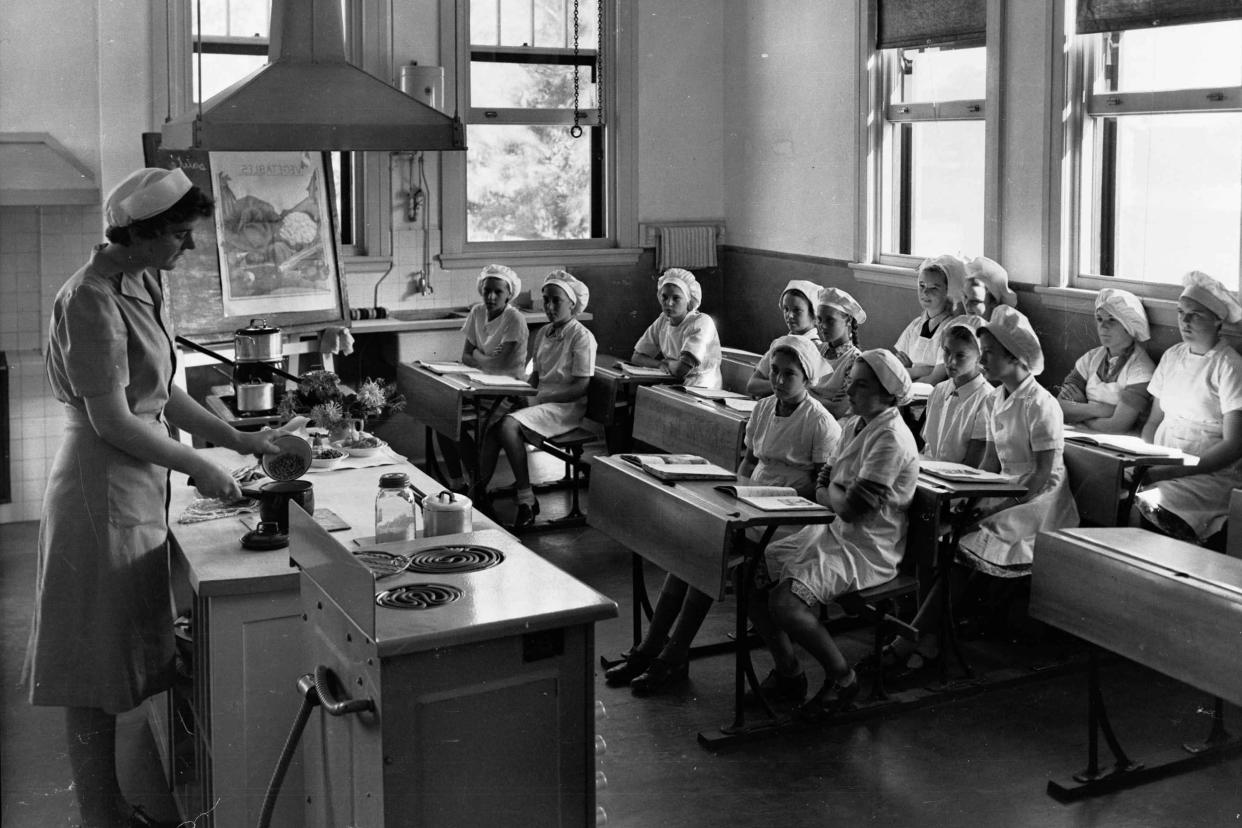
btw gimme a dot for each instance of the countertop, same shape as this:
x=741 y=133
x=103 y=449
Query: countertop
x=435 y=320
x=212 y=550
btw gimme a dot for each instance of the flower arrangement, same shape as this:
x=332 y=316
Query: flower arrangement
x=320 y=397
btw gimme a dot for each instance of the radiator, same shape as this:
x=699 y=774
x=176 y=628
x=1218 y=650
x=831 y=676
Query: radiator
x=686 y=245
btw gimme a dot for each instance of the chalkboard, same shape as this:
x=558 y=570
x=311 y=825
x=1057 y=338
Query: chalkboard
x=194 y=290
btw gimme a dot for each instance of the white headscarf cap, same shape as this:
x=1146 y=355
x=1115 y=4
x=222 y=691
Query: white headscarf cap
x=573 y=286
x=809 y=357
x=145 y=193
x=685 y=280
x=499 y=271
x=1013 y=330
x=1127 y=309
x=805 y=288
x=890 y=372
x=841 y=301
x=1212 y=295
x=994 y=277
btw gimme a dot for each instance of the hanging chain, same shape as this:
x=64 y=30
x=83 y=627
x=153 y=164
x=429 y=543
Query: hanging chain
x=599 y=62
x=576 y=129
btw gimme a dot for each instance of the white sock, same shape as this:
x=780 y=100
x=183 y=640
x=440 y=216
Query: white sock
x=526 y=495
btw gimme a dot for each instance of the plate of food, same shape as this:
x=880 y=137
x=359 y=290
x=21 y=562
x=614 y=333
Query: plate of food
x=327 y=457
x=364 y=445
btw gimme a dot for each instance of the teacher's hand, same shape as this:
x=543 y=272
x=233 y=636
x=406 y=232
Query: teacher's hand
x=257 y=442
x=212 y=480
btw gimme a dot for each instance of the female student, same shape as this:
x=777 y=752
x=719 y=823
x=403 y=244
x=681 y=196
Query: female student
x=837 y=316
x=788 y=439
x=1197 y=407
x=975 y=292
x=797 y=306
x=1107 y=390
x=101 y=640
x=682 y=340
x=956 y=405
x=496 y=336
x=917 y=347
x=564 y=364
x=869 y=483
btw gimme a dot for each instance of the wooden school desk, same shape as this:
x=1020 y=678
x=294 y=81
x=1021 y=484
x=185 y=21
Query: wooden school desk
x=1168 y=605
x=610 y=399
x=1097 y=480
x=674 y=421
x=693 y=532
x=452 y=405
x=931 y=518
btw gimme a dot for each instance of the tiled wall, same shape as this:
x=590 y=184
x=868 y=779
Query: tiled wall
x=39 y=249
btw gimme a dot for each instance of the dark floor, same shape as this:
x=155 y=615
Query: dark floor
x=977 y=761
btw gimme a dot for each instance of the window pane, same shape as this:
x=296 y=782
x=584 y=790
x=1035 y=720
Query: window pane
x=529 y=85
x=222 y=71
x=1179 y=196
x=945 y=206
x=544 y=23
x=1178 y=57
x=941 y=75
x=233 y=18
x=527 y=183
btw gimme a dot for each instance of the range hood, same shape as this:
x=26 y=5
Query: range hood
x=309 y=97
x=39 y=171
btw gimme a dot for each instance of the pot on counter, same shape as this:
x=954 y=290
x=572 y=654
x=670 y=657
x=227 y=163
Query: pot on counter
x=255 y=397
x=257 y=342
x=275 y=496
x=447 y=514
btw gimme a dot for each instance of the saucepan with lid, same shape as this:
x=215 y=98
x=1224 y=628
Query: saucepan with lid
x=274 y=496
x=257 y=342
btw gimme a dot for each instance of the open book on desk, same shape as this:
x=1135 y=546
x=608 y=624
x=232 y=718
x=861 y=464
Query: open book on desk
x=447 y=367
x=769 y=498
x=1122 y=442
x=960 y=472
x=497 y=380
x=641 y=370
x=713 y=393
x=678 y=467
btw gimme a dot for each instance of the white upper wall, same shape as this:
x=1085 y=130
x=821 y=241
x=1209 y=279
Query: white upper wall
x=790 y=154
x=680 y=100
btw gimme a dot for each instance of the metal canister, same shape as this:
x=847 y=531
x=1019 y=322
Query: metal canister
x=257 y=342
x=448 y=513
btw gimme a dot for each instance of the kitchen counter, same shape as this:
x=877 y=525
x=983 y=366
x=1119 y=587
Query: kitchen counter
x=435 y=320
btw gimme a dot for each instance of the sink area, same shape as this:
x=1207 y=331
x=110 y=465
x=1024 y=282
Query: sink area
x=428 y=314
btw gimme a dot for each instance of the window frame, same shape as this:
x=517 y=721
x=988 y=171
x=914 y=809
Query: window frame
x=619 y=243
x=876 y=117
x=1091 y=113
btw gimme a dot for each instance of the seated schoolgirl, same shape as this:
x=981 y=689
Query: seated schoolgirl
x=682 y=340
x=1107 y=390
x=564 y=362
x=869 y=483
x=496 y=340
x=1197 y=407
x=837 y=316
x=1022 y=427
x=917 y=347
x=797 y=306
x=956 y=405
x=975 y=291
x=788 y=439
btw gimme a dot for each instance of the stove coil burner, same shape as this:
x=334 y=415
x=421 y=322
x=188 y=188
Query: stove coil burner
x=381 y=563
x=418 y=596
x=443 y=560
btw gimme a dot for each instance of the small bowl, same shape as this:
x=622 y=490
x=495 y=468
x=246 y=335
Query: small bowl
x=360 y=451
x=291 y=462
x=328 y=462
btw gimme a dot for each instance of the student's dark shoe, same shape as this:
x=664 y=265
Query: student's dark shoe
x=631 y=665
x=780 y=689
x=525 y=516
x=659 y=676
x=829 y=701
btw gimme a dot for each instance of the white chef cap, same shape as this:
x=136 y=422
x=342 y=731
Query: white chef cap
x=1013 y=331
x=144 y=193
x=805 y=288
x=951 y=266
x=573 y=287
x=890 y=372
x=499 y=271
x=842 y=302
x=809 y=357
x=1212 y=295
x=1127 y=309
x=995 y=279
x=681 y=278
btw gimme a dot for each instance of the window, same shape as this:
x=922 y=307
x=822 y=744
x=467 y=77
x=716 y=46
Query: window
x=531 y=74
x=229 y=39
x=924 y=124
x=1160 y=154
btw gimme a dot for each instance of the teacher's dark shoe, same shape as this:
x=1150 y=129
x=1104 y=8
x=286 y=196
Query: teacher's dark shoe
x=659 y=676
x=525 y=516
x=632 y=665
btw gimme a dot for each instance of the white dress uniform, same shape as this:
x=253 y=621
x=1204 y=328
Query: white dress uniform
x=1138 y=370
x=789 y=449
x=490 y=335
x=922 y=350
x=1020 y=424
x=1195 y=392
x=696 y=336
x=560 y=357
x=953 y=416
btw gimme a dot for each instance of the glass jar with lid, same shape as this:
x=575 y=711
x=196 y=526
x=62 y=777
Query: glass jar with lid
x=397 y=514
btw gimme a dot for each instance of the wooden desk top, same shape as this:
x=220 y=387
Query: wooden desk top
x=675 y=421
x=967 y=488
x=1126 y=458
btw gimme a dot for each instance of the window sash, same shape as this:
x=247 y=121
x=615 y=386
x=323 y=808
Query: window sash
x=1095 y=16
x=904 y=23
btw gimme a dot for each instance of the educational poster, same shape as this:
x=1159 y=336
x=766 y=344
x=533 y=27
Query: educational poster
x=274 y=233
